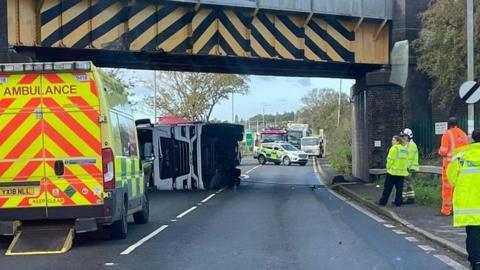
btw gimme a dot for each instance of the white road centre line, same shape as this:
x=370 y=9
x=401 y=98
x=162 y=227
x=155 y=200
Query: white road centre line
x=454 y=264
x=252 y=169
x=411 y=239
x=426 y=247
x=173 y=220
x=399 y=232
x=389 y=225
x=143 y=240
x=109 y=264
x=186 y=212
x=208 y=198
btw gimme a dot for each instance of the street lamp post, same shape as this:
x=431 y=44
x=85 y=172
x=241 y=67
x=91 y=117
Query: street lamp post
x=155 y=95
x=263 y=113
x=470 y=61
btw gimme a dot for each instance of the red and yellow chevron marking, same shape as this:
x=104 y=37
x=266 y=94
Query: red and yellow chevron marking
x=46 y=118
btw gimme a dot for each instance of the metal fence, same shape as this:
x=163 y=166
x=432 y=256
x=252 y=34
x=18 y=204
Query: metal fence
x=425 y=138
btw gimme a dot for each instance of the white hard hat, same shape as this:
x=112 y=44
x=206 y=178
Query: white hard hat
x=408 y=132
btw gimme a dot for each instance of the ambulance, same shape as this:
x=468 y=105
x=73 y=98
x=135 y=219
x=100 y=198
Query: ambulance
x=69 y=158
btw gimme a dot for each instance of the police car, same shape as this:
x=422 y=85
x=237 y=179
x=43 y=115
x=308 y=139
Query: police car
x=281 y=153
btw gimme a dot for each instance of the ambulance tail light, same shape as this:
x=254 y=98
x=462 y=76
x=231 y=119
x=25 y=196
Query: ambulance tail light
x=108 y=162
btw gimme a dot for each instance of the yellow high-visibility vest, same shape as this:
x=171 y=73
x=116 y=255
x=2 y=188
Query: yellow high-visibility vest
x=397 y=160
x=464 y=174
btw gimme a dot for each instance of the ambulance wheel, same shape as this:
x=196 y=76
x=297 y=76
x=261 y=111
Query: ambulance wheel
x=119 y=228
x=287 y=161
x=277 y=163
x=141 y=217
x=262 y=160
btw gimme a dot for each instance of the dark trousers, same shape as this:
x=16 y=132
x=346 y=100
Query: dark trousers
x=473 y=243
x=390 y=181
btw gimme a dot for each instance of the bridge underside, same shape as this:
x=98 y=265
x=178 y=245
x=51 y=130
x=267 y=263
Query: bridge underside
x=176 y=36
x=199 y=63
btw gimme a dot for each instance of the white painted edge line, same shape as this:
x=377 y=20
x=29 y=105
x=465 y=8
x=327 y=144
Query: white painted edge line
x=208 y=198
x=143 y=240
x=317 y=173
x=359 y=208
x=389 y=225
x=452 y=263
x=220 y=190
x=399 y=232
x=252 y=169
x=411 y=239
x=186 y=212
x=426 y=247
x=342 y=198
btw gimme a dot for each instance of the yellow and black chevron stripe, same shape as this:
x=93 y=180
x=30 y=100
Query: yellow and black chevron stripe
x=173 y=28
x=162 y=27
x=329 y=40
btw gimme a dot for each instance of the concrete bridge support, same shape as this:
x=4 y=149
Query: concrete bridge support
x=381 y=109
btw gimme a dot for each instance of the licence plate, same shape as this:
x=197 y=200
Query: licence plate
x=18 y=191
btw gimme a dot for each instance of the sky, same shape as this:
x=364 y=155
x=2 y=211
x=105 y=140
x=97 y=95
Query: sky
x=275 y=94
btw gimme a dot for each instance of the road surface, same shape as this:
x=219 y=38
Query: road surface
x=279 y=218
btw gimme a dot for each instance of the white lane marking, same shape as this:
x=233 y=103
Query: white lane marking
x=426 y=247
x=362 y=210
x=399 y=232
x=317 y=174
x=454 y=264
x=389 y=226
x=411 y=239
x=143 y=240
x=173 y=220
x=252 y=169
x=220 y=190
x=208 y=198
x=244 y=176
x=110 y=264
x=186 y=212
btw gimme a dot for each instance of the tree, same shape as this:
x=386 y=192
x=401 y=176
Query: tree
x=442 y=49
x=320 y=109
x=194 y=95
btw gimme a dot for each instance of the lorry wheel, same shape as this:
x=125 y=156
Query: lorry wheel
x=262 y=160
x=141 y=217
x=119 y=229
x=287 y=161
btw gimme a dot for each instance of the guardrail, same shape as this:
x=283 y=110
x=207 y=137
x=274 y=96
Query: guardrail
x=423 y=169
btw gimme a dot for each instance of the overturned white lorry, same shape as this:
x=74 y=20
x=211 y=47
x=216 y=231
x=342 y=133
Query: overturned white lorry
x=191 y=156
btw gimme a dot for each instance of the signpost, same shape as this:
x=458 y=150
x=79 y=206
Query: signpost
x=440 y=128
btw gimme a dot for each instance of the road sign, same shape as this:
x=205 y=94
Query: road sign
x=470 y=92
x=440 y=128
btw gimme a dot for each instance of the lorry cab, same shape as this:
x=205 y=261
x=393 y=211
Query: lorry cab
x=68 y=149
x=313 y=146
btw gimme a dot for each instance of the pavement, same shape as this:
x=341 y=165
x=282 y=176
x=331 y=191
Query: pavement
x=425 y=220
x=280 y=217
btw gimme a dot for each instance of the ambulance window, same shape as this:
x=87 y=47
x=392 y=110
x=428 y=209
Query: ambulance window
x=127 y=136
